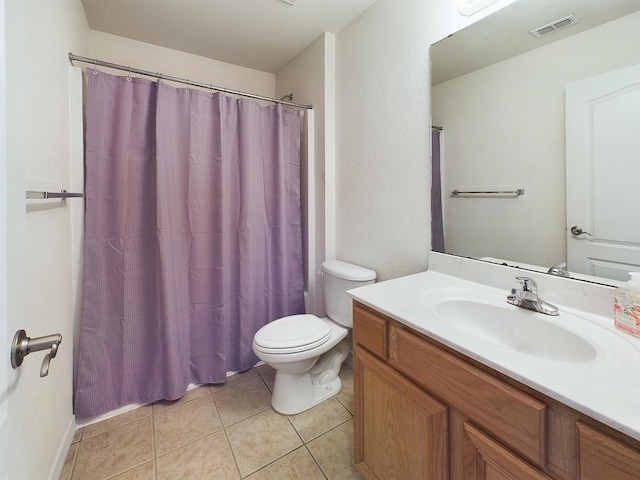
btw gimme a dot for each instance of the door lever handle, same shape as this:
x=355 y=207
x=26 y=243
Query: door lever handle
x=44 y=369
x=576 y=230
x=23 y=345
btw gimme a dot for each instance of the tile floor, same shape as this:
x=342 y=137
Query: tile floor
x=221 y=432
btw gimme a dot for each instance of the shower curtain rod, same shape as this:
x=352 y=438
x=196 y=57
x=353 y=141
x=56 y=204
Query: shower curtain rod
x=160 y=76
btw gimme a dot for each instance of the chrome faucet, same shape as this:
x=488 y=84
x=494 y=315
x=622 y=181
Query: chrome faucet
x=559 y=269
x=527 y=297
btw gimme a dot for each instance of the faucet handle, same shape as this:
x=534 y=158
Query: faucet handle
x=528 y=284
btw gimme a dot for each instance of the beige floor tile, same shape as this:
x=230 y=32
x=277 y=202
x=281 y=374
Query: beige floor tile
x=118 y=420
x=242 y=400
x=185 y=423
x=319 y=419
x=187 y=397
x=209 y=457
x=261 y=439
x=69 y=463
x=115 y=451
x=334 y=453
x=146 y=471
x=346 y=394
x=235 y=378
x=297 y=465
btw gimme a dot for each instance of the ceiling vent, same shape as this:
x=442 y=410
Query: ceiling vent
x=554 y=26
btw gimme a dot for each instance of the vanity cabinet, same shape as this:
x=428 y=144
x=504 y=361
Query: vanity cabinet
x=403 y=431
x=423 y=410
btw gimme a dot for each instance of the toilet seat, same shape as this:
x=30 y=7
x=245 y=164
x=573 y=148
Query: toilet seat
x=292 y=334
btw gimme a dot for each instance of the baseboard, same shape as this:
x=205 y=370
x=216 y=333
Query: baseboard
x=63 y=450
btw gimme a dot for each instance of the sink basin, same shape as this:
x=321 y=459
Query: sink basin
x=489 y=317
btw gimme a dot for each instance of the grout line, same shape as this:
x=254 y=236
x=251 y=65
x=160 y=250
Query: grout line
x=233 y=454
x=326 y=475
x=191 y=442
x=343 y=405
x=294 y=428
x=226 y=435
x=153 y=441
x=265 y=382
x=246 y=418
x=280 y=458
x=117 y=474
x=75 y=459
x=275 y=460
x=315 y=460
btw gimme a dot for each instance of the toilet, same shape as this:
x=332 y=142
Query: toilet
x=307 y=351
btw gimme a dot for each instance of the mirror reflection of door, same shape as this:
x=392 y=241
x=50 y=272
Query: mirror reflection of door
x=603 y=174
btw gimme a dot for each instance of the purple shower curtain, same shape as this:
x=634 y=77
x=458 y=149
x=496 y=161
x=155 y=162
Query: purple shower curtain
x=192 y=238
x=437 y=230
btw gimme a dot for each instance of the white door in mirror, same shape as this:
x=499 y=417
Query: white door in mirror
x=603 y=172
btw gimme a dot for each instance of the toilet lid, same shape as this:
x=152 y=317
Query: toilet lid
x=292 y=334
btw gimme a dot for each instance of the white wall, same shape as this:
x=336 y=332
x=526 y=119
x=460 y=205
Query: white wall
x=13 y=391
x=52 y=29
x=513 y=134
x=383 y=132
x=124 y=51
x=311 y=79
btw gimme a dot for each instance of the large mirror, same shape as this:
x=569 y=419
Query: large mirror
x=501 y=110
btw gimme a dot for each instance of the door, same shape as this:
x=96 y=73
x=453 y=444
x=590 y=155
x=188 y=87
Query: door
x=603 y=168
x=485 y=459
x=13 y=456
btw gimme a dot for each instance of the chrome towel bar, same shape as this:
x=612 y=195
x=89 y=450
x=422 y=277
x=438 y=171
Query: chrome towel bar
x=517 y=191
x=35 y=195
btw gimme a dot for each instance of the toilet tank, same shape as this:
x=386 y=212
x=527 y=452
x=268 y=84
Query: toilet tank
x=339 y=277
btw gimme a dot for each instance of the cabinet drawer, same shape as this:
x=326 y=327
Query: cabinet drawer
x=370 y=331
x=516 y=419
x=605 y=458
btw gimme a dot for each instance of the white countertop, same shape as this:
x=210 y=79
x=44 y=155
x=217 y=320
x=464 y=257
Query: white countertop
x=606 y=387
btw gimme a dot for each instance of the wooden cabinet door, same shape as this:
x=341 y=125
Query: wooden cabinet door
x=400 y=431
x=485 y=459
x=605 y=458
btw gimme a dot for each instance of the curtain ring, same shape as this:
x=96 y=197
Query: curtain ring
x=188 y=90
x=211 y=92
x=129 y=76
x=95 y=66
x=159 y=75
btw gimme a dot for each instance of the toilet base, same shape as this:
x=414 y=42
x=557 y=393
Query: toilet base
x=295 y=393
x=285 y=403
